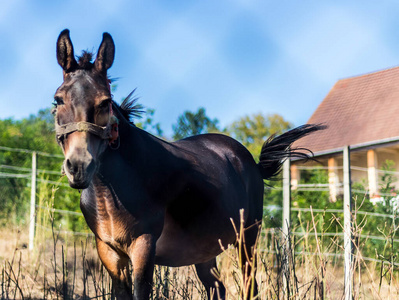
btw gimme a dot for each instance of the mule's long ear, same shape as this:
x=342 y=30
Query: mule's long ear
x=65 y=55
x=105 y=54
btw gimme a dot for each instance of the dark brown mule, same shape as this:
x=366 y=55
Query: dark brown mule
x=148 y=200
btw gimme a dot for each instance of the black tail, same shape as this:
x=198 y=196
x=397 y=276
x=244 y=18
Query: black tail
x=277 y=148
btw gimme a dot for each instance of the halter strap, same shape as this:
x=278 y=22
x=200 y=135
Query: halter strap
x=100 y=131
x=108 y=132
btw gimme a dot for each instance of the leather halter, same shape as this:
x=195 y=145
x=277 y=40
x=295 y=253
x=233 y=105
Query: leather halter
x=108 y=132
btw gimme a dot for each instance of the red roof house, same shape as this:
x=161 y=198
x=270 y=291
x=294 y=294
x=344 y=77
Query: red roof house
x=362 y=112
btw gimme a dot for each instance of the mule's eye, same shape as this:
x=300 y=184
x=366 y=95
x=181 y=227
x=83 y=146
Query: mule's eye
x=104 y=104
x=58 y=101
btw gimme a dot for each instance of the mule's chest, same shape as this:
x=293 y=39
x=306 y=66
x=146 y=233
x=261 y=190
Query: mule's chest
x=107 y=217
x=118 y=222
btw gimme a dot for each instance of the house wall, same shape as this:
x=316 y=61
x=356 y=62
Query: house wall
x=388 y=154
x=361 y=169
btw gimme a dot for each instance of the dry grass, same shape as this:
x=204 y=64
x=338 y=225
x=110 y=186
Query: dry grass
x=55 y=269
x=65 y=267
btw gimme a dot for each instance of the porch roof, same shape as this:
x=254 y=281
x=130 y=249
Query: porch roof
x=361 y=110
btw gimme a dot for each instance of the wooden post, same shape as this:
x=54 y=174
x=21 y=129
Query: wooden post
x=32 y=202
x=286 y=195
x=347 y=225
x=295 y=177
x=372 y=166
x=333 y=179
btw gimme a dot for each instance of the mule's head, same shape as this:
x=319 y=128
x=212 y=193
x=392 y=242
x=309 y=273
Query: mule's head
x=83 y=111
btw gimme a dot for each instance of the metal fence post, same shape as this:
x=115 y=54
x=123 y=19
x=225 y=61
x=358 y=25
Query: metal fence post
x=286 y=196
x=286 y=218
x=347 y=224
x=32 y=201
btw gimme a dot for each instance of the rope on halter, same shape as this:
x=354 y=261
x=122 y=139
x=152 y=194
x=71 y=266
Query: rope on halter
x=109 y=132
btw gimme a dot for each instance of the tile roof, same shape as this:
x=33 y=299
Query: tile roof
x=357 y=110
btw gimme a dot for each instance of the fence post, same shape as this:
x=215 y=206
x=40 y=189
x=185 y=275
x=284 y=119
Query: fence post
x=286 y=217
x=347 y=224
x=32 y=201
x=286 y=196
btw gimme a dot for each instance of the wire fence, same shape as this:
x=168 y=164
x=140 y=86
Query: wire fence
x=310 y=200
x=317 y=222
x=316 y=227
x=53 y=199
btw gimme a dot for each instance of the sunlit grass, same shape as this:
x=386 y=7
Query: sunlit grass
x=309 y=266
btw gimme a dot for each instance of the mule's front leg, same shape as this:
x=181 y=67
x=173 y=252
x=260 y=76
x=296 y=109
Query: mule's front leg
x=142 y=255
x=117 y=265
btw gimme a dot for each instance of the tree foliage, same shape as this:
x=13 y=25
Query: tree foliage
x=253 y=130
x=148 y=124
x=33 y=133
x=193 y=123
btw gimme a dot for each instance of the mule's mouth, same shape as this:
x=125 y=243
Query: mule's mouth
x=79 y=185
x=79 y=176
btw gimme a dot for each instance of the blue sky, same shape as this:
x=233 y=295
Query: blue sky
x=233 y=57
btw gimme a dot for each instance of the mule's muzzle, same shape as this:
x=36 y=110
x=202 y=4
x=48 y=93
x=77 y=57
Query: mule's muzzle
x=79 y=171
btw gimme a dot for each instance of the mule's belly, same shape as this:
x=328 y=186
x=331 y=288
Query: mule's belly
x=197 y=220
x=195 y=243
x=183 y=252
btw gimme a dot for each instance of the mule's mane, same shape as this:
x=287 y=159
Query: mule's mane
x=130 y=109
x=84 y=61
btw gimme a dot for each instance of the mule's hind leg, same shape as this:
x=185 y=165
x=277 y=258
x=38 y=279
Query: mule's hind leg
x=117 y=266
x=209 y=280
x=248 y=261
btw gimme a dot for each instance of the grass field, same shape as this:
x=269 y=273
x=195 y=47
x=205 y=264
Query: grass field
x=67 y=267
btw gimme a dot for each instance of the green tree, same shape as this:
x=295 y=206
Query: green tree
x=253 y=130
x=193 y=123
x=33 y=133
x=149 y=125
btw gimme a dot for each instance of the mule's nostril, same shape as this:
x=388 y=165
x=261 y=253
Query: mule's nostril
x=68 y=164
x=70 y=167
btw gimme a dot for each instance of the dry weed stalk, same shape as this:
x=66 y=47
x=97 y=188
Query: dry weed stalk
x=285 y=267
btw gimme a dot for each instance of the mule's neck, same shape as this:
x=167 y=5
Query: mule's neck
x=140 y=152
x=143 y=166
